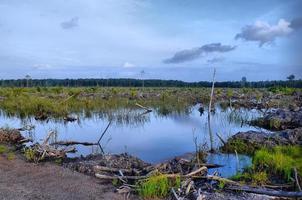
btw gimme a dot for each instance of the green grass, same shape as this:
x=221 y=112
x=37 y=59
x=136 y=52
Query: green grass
x=157 y=186
x=279 y=161
x=30 y=155
x=57 y=102
x=11 y=156
x=270 y=165
x=3 y=149
x=240 y=146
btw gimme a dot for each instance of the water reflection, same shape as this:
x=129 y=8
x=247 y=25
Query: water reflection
x=230 y=163
x=151 y=136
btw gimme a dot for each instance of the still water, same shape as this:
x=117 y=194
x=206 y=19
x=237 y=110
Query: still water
x=151 y=137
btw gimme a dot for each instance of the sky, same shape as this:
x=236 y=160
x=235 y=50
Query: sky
x=167 y=39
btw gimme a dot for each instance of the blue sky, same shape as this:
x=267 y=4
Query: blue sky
x=176 y=39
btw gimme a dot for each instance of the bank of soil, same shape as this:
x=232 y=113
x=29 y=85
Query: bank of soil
x=250 y=141
x=280 y=119
x=20 y=180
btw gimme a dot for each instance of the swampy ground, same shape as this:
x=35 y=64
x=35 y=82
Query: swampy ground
x=279 y=108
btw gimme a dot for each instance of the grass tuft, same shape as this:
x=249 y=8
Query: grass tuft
x=157 y=186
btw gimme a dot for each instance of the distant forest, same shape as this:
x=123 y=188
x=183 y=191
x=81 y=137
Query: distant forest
x=124 y=82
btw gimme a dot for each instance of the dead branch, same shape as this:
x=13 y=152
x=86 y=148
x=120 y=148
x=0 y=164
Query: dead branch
x=201 y=170
x=48 y=137
x=143 y=107
x=175 y=195
x=99 y=168
x=25 y=140
x=220 y=138
x=217 y=178
x=68 y=143
x=104 y=131
x=102 y=176
x=276 y=193
x=296 y=179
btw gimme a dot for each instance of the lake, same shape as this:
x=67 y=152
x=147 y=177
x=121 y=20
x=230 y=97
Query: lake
x=153 y=137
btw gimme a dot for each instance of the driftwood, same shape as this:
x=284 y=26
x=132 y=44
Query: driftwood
x=217 y=178
x=112 y=177
x=143 y=107
x=45 y=150
x=200 y=170
x=210 y=165
x=25 y=140
x=276 y=193
x=67 y=143
x=193 y=175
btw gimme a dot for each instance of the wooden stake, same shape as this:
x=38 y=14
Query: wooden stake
x=209 y=112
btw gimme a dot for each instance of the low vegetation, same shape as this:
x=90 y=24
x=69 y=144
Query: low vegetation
x=275 y=165
x=157 y=186
x=58 y=102
x=239 y=146
x=7 y=152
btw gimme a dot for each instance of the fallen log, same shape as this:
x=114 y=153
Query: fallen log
x=276 y=193
x=99 y=168
x=68 y=143
x=108 y=177
x=111 y=177
x=201 y=170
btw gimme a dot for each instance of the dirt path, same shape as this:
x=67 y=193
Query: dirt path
x=20 y=180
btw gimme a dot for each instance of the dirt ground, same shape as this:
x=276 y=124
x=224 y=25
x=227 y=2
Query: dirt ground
x=20 y=180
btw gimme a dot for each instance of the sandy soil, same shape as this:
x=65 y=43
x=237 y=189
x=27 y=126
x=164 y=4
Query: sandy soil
x=22 y=180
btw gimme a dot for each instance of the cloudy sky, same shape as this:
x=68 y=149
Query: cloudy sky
x=168 y=39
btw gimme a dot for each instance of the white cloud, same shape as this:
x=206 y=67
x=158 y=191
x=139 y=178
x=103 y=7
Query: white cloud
x=128 y=65
x=263 y=32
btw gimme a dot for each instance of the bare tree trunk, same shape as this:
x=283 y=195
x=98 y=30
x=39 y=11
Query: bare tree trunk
x=209 y=112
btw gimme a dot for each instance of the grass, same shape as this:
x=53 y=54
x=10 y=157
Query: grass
x=57 y=102
x=157 y=186
x=11 y=156
x=273 y=165
x=240 y=146
x=30 y=155
x=3 y=149
x=279 y=161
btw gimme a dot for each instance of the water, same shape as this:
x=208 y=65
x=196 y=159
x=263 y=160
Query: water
x=151 y=137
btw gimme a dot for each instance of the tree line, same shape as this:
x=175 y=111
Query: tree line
x=125 y=82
